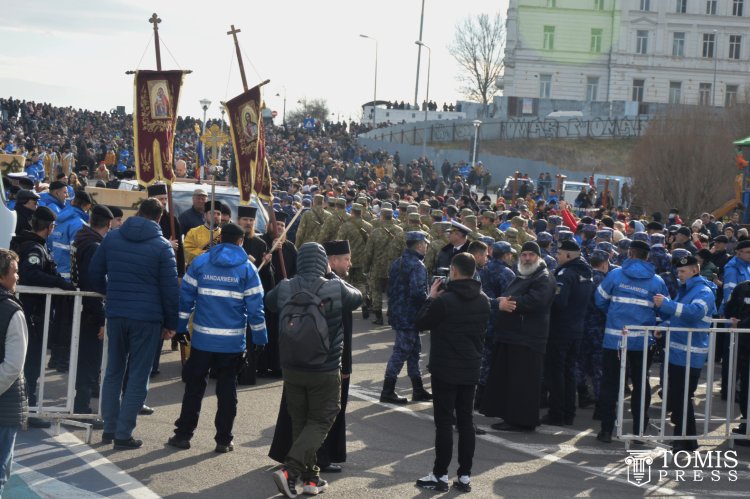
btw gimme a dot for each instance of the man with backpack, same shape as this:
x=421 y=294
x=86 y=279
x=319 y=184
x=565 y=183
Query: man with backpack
x=311 y=341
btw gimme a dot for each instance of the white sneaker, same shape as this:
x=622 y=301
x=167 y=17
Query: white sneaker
x=314 y=487
x=433 y=483
x=463 y=483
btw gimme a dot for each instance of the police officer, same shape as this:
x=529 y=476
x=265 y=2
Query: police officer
x=659 y=256
x=545 y=241
x=37 y=268
x=26 y=203
x=407 y=291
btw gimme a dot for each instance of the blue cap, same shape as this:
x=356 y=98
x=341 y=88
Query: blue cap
x=565 y=235
x=605 y=234
x=589 y=229
x=605 y=246
x=502 y=247
x=680 y=253
x=554 y=220
x=489 y=241
x=597 y=253
x=544 y=237
x=640 y=236
x=656 y=239
x=416 y=235
x=623 y=244
x=561 y=228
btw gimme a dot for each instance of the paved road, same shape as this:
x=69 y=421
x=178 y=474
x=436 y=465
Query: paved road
x=389 y=448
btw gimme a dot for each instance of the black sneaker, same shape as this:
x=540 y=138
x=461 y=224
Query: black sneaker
x=128 y=444
x=107 y=438
x=314 y=486
x=431 y=482
x=224 y=448
x=463 y=484
x=286 y=483
x=179 y=442
x=38 y=423
x=605 y=437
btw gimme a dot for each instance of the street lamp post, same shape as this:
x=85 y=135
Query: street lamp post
x=375 y=86
x=204 y=105
x=476 y=124
x=716 y=50
x=427 y=97
x=283 y=113
x=419 y=56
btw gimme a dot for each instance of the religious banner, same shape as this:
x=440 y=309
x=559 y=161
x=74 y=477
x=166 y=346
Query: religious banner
x=246 y=130
x=154 y=119
x=11 y=163
x=262 y=173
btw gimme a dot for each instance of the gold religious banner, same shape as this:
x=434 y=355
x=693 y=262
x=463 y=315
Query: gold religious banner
x=11 y=163
x=214 y=138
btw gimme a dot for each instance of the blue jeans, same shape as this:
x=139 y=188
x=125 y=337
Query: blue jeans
x=7 y=441
x=131 y=344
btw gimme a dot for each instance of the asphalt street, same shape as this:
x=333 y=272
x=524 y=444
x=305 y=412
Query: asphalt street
x=389 y=447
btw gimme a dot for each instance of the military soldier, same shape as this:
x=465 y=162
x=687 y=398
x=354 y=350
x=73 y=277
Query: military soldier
x=198 y=239
x=520 y=224
x=311 y=222
x=424 y=213
x=334 y=222
x=330 y=204
x=511 y=235
x=437 y=215
x=659 y=255
x=488 y=227
x=588 y=244
x=413 y=222
x=367 y=215
x=357 y=232
x=383 y=247
x=407 y=291
x=438 y=239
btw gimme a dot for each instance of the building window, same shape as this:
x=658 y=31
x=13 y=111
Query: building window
x=675 y=92
x=709 y=40
x=545 y=86
x=596 y=40
x=551 y=4
x=678 y=45
x=646 y=5
x=711 y=7
x=641 y=41
x=592 y=86
x=704 y=94
x=638 y=86
x=680 y=6
x=737 y=7
x=735 y=41
x=598 y=4
x=730 y=96
x=549 y=38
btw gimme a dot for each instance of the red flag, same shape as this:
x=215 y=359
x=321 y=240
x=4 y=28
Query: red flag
x=248 y=141
x=154 y=119
x=569 y=219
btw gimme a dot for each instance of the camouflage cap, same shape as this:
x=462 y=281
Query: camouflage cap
x=491 y=215
x=518 y=221
x=437 y=213
x=413 y=217
x=362 y=200
x=412 y=208
x=402 y=204
x=386 y=212
x=441 y=226
x=465 y=212
x=357 y=207
x=341 y=202
x=502 y=247
x=656 y=239
x=470 y=221
x=318 y=200
x=331 y=201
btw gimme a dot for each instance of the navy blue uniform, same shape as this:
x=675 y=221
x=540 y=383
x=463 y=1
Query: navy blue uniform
x=495 y=276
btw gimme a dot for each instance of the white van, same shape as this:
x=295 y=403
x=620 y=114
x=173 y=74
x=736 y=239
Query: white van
x=572 y=189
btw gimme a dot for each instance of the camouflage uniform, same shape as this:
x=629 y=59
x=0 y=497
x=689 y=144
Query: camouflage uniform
x=310 y=224
x=438 y=240
x=333 y=223
x=357 y=232
x=385 y=244
x=367 y=215
x=511 y=236
x=488 y=227
x=520 y=225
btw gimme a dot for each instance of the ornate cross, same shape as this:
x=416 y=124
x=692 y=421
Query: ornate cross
x=234 y=32
x=215 y=139
x=155 y=20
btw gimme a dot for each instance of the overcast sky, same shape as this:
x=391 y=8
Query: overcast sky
x=76 y=52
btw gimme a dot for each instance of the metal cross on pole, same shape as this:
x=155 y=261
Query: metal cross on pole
x=214 y=138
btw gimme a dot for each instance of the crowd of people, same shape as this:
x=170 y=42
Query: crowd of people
x=525 y=301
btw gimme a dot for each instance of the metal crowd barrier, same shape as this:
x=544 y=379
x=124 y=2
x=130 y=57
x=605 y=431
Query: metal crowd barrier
x=710 y=424
x=63 y=414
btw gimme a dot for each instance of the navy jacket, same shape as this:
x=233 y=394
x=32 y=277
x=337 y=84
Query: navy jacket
x=575 y=287
x=407 y=290
x=135 y=267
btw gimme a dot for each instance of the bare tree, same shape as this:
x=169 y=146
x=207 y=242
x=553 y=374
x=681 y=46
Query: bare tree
x=315 y=108
x=478 y=47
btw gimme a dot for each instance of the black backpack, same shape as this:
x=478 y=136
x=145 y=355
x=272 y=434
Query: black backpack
x=304 y=339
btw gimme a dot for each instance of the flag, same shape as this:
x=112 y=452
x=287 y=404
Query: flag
x=248 y=141
x=154 y=117
x=200 y=155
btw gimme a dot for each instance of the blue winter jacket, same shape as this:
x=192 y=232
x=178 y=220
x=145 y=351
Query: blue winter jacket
x=137 y=268
x=224 y=289
x=627 y=297
x=495 y=277
x=69 y=222
x=693 y=308
x=735 y=272
x=407 y=290
x=51 y=202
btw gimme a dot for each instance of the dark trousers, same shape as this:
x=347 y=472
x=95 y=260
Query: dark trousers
x=90 y=349
x=560 y=377
x=157 y=358
x=449 y=399
x=611 y=386
x=33 y=363
x=676 y=397
x=60 y=330
x=743 y=364
x=195 y=373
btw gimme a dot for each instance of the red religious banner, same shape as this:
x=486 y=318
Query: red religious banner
x=154 y=119
x=248 y=141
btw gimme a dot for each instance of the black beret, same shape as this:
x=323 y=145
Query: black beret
x=231 y=231
x=531 y=246
x=157 y=190
x=83 y=197
x=685 y=261
x=102 y=211
x=721 y=239
x=569 y=245
x=334 y=248
x=44 y=213
x=246 y=211
x=53 y=186
x=116 y=212
x=684 y=231
x=743 y=244
x=641 y=245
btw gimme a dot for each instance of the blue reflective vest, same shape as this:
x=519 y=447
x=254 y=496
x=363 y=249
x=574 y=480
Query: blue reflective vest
x=69 y=222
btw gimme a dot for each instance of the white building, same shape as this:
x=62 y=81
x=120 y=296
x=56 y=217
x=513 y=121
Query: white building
x=649 y=51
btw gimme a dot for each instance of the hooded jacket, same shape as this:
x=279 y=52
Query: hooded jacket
x=86 y=242
x=457 y=320
x=312 y=264
x=574 y=288
x=51 y=202
x=626 y=295
x=69 y=222
x=735 y=271
x=224 y=289
x=137 y=268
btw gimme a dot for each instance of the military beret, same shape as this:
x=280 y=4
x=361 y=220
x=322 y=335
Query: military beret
x=654 y=226
x=156 y=190
x=623 y=244
x=232 y=231
x=743 y=244
x=640 y=236
x=335 y=248
x=116 y=212
x=684 y=261
x=102 y=211
x=640 y=245
x=357 y=207
x=544 y=237
x=565 y=236
x=459 y=227
x=44 y=213
x=416 y=235
x=341 y=202
x=721 y=239
x=684 y=231
x=53 y=186
x=502 y=247
x=489 y=241
x=533 y=247
x=656 y=238
x=569 y=245
x=24 y=195
x=589 y=229
x=605 y=246
x=246 y=211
